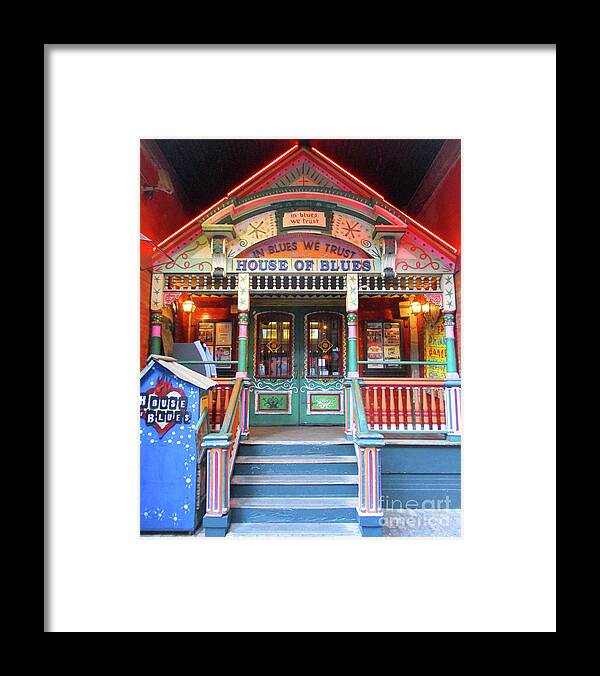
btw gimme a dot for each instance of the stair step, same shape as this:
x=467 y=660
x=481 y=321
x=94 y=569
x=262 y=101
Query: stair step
x=271 y=490
x=294 y=479
x=292 y=503
x=294 y=459
x=294 y=529
x=299 y=448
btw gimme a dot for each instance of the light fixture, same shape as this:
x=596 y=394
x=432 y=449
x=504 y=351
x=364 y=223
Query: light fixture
x=189 y=307
x=425 y=308
x=416 y=307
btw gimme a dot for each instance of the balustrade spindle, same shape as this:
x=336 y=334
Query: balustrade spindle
x=409 y=411
x=418 y=411
x=426 y=417
x=435 y=422
x=393 y=419
x=401 y=418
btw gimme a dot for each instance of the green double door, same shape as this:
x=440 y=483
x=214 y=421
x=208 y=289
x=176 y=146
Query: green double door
x=297 y=364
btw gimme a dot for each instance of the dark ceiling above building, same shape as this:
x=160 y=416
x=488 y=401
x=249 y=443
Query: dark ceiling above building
x=207 y=169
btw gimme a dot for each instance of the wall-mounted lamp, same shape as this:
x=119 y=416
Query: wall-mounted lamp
x=416 y=307
x=189 y=307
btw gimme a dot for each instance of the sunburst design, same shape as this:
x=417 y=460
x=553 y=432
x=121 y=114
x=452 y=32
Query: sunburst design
x=255 y=229
x=351 y=230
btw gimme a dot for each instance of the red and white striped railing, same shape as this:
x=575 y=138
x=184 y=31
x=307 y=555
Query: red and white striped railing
x=410 y=405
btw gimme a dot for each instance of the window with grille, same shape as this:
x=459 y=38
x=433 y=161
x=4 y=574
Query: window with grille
x=324 y=345
x=274 y=346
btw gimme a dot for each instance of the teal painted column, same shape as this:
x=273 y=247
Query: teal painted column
x=352 y=363
x=242 y=367
x=451 y=363
x=452 y=386
x=155 y=332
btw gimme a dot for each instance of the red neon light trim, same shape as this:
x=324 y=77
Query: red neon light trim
x=267 y=166
x=183 y=227
x=335 y=164
x=443 y=241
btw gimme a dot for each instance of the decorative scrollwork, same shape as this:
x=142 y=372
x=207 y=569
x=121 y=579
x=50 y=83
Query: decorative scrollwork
x=272 y=385
x=434 y=265
x=329 y=385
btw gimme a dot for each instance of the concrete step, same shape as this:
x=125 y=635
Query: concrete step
x=295 y=479
x=270 y=465
x=294 y=485
x=294 y=530
x=293 y=503
x=297 y=448
x=293 y=509
x=294 y=490
x=295 y=459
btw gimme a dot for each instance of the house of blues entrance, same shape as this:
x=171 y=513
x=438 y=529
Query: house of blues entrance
x=297 y=288
x=311 y=301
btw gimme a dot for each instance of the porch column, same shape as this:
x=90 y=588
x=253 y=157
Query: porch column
x=452 y=385
x=243 y=306
x=351 y=310
x=351 y=350
x=242 y=367
x=156 y=303
x=370 y=508
x=451 y=364
x=217 y=517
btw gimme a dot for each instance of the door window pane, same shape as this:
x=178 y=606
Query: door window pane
x=324 y=346
x=274 y=348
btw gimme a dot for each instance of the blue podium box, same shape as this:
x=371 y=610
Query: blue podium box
x=172 y=468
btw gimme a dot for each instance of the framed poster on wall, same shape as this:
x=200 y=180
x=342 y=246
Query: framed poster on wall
x=223 y=333
x=206 y=333
x=374 y=344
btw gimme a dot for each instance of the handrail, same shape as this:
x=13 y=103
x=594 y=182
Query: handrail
x=201 y=419
x=229 y=417
x=367 y=445
x=221 y=449
x=204 y=418
x=360 y=416
x=361 y=434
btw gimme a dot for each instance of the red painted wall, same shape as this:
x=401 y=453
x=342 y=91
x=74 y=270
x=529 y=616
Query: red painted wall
x=441 y=212
x=159 y=217
x=163 y=213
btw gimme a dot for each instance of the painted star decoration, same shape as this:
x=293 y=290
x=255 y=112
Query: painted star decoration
x=351 y=229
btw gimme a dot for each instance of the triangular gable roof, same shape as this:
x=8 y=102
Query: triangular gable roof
x=177 y=369
x=301 y=166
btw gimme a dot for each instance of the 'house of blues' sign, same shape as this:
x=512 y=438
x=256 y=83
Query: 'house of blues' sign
x=302 y=265
x=164 y=406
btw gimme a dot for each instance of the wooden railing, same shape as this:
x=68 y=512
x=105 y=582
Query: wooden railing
x=407 y=405
x=221 y=450
x=219 y=399
x=367 y=445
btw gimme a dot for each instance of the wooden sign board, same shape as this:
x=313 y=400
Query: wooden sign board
x=297 y=219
